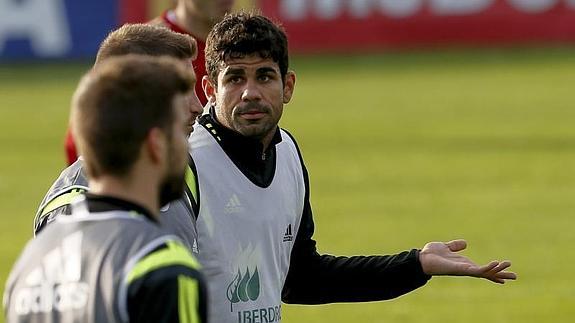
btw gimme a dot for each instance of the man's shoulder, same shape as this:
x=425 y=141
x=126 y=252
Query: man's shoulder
x=288 y=139
x=162 y=252
x=73 y=177
x=285 y=134
x=71 y=183
x=126 y=227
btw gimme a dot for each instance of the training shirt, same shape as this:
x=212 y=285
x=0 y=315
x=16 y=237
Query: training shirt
x=258 y=242
x=246 y=231
x=107 y=262
x=177 y=217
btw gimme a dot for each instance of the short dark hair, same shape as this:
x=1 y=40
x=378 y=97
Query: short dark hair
x=242 y=34
x=146 y=40
x=116 y=105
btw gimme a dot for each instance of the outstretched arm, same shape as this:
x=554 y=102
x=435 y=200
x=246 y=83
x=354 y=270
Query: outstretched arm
x=439 y=258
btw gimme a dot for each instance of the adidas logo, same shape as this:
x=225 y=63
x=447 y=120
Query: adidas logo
x=234 y=205
x=56 y=284
x=288 y=236
x=195 y=247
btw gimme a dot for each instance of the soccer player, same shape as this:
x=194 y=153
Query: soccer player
x=255 y=222
x=110 y=261
x=192 y=17
x=147 y=40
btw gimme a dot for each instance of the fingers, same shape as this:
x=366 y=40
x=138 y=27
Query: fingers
x=503 y=265
x=507 y=275
x=500 y=267
x=490 y=267
x=456 y=245
x=496 y=273
x=502 y=275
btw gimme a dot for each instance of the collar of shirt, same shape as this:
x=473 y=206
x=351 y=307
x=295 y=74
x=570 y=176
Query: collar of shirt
x=246 y=153
x=103 y=203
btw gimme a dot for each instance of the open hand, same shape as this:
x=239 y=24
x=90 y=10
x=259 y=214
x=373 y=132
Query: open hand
x=441 y=258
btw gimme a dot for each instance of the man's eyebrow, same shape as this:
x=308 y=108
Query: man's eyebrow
x=234 y=71
x=266 y=69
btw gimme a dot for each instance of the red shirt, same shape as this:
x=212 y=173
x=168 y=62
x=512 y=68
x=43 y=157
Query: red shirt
x=167 y=18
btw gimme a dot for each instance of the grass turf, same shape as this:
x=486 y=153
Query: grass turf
x=402 y=149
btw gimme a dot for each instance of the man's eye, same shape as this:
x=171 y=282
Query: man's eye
x=235 y=79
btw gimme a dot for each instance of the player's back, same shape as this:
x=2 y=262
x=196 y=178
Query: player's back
x=88 y=266
x=178 y=217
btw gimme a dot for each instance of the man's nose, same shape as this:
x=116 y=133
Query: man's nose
x=251 y=91
x=195 y=106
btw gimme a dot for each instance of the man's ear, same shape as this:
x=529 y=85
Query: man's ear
x=156 y=145
x=289 y=85
x=209 y=89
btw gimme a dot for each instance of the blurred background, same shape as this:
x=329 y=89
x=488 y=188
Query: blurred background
x=419 y=120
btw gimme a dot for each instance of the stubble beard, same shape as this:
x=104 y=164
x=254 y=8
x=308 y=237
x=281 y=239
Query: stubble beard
x=172 y=187
x=256 y=129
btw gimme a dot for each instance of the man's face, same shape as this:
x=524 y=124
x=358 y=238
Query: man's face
x=195 y=108
x=213 y=10
x=172 y=186
x=249 y=95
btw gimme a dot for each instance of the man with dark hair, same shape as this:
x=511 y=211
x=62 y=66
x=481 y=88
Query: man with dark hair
x=255 y=223
x=145 y=40
x=139 y=39
x=110 y=261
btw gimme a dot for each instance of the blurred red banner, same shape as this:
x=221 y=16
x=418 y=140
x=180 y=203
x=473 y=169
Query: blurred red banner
x=348 y=25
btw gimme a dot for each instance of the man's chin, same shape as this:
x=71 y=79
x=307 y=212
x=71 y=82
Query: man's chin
x=255 y=132
x=172 y=189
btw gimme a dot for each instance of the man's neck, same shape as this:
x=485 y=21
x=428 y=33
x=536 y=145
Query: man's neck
x=196 y=24
x=266 y=141
x=131 y=191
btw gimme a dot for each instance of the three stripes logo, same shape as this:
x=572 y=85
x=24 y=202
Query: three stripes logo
x=234 y=205
x=195 y=247
x=288 y=235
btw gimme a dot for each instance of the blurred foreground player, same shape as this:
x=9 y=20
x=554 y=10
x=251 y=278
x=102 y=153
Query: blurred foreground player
x=110 y=261
x=178 y=216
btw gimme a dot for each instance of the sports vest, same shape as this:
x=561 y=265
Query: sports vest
x=246 y=232
x=78 y=268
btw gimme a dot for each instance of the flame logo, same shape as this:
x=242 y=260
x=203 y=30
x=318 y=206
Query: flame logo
x=244 y=287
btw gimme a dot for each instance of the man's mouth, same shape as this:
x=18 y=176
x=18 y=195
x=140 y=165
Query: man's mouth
x=253 y=115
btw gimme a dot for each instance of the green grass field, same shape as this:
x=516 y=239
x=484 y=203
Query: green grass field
x=402 y=149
